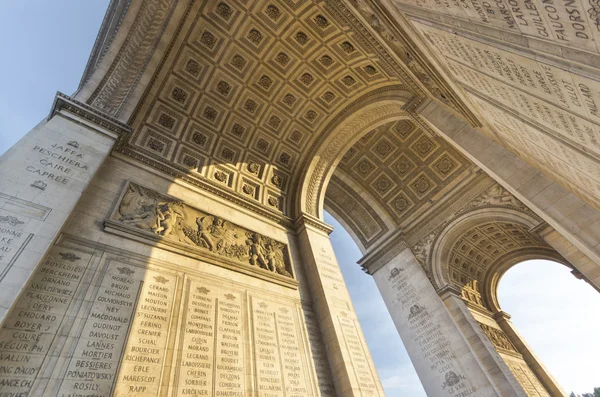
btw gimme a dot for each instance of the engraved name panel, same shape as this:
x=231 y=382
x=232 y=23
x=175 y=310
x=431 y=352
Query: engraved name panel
x=356 y=350
x=92 y=368
x=280 y=363
x=571 y=23
x=144 y=356
x=16 y=216
x=319 y=358
x=428 y=332
x=212 y=353
x=31 y=327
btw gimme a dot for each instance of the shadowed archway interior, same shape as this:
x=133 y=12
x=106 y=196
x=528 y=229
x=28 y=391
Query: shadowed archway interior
x=162 y=230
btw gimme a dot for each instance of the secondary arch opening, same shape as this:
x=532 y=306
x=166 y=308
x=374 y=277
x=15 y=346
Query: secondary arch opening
x=556 y=315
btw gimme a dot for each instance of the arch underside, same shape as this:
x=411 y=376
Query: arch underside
x=292 y=107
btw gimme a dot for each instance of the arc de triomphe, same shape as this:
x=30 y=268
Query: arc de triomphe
x=161 y=232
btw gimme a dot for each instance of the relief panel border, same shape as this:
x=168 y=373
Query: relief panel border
x=159 y=220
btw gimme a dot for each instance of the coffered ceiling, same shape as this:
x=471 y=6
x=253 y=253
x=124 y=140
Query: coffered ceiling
x=252 y=84
x=478 y=248
x=403 y=167
x=393 y=176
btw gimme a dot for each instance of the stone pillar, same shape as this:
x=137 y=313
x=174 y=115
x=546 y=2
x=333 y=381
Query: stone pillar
x=568 y=214
x=490 y=360
x=349 y=358
x=536 y=366
x=445 y=360
x=41 y=180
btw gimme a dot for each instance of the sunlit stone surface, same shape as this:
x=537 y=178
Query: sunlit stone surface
x=161 y=231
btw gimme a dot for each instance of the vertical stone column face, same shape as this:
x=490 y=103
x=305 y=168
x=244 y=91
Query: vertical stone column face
x=443 y=359
x=492 y=363
x=41 y=180
x=349 y=359
x=536 y=378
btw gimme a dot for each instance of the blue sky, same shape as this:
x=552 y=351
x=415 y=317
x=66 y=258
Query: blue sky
x=555 y=313
x=45 y=45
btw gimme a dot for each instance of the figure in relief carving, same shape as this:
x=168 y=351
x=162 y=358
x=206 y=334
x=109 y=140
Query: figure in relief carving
x=422 y=249
x=139 y=209
x=275 y=258
x=257 y=251
x=496 y=195
x=224 y=235
x=497 y=337
x=168 y=218
x=266 y=253
x=203 y=234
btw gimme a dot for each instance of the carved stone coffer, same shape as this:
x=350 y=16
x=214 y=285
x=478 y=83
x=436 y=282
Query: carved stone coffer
x=160 y=220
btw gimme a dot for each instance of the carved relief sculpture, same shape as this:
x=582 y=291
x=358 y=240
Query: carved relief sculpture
x=422 y=249
x=498 y=337
x=168 y=218
x=496 y=195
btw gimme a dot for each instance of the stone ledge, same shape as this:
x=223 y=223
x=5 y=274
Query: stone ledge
x=138 y=235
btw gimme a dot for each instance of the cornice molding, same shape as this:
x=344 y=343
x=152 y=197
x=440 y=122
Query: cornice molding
x=308 y=220
x=64 y=103
x=130 y=63
x=113 y=18
x=385 y=252
x=393 y=29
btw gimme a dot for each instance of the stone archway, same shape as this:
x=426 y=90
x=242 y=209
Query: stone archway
x=360 y=119
x=469 y=256
x=244 y=110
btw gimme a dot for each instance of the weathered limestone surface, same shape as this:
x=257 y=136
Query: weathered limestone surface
x=113 y=314
x=443 y=359
x=351 y=365
x=42 y=179
x=575 y=220
x=173 y=267
x=481 y=346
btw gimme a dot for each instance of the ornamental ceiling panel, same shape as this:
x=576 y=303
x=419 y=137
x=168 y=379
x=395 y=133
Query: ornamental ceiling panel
x=478 y=248
x=249 y=87
x=358 y=215
x=404 y=168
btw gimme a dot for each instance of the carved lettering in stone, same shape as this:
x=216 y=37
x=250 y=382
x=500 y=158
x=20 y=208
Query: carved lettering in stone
x=428 y=335
x=356 y=349
x=31 y=326
x=97 y=354
x=143 y=358
x=328 y=268
x=318 y=355
x=280 y=364
x=213 y=345
x=12 y=239
x=58 y=163
x=167 y=218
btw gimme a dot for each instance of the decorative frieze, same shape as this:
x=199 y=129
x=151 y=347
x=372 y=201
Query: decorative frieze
x=154 y=217
x=498 y=338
